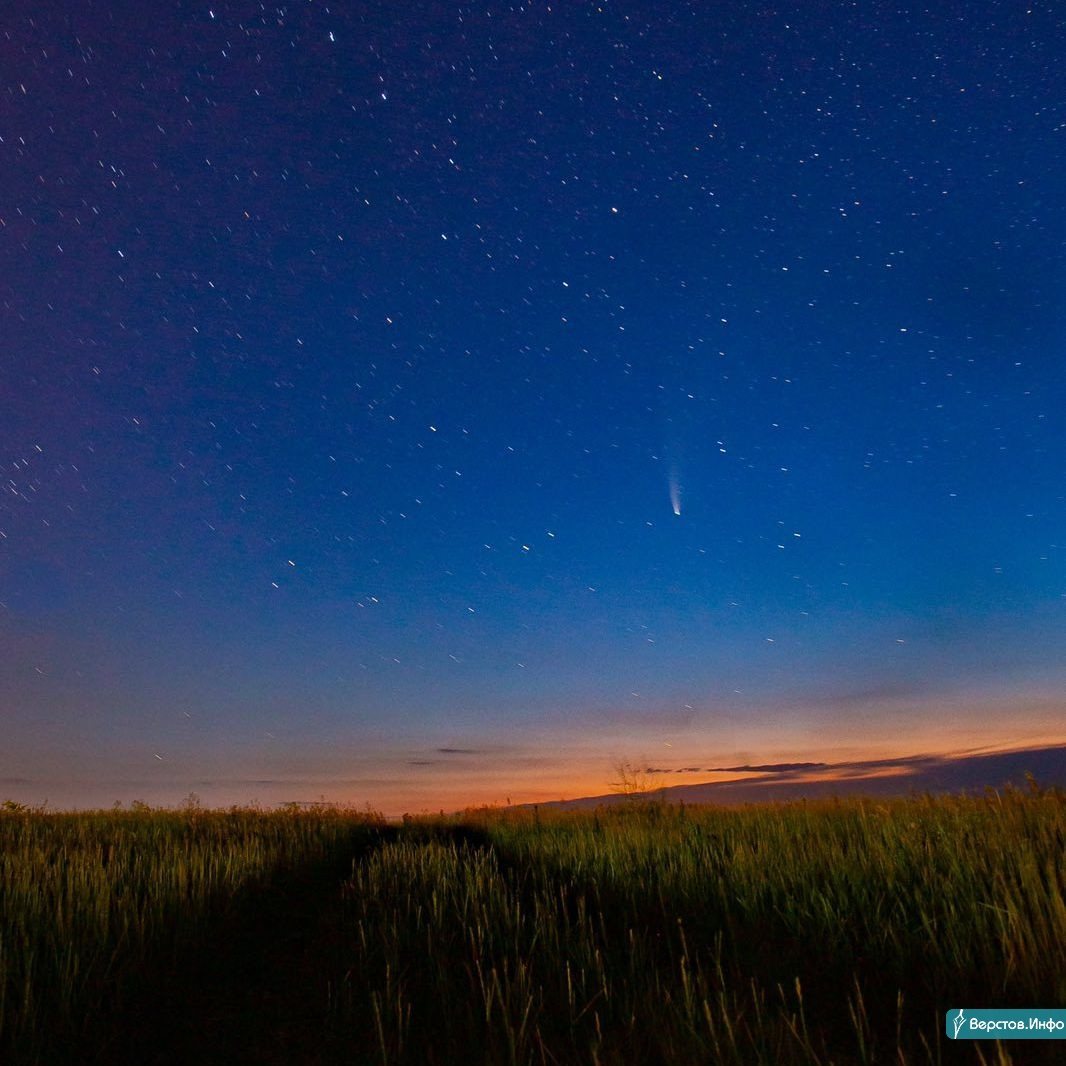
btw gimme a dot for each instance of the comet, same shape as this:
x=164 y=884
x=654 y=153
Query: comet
x=675 y=492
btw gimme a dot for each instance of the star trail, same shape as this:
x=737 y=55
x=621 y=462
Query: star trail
x=422 y=405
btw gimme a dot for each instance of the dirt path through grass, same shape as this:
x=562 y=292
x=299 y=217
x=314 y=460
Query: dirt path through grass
x=255 y=990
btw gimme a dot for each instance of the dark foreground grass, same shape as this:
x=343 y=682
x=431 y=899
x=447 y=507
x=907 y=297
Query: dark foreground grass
x=807 y=933
x=128 y=936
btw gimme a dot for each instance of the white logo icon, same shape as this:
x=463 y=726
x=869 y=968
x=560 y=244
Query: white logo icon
x=958 y=1023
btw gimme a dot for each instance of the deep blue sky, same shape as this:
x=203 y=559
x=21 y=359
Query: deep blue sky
x=353 y=357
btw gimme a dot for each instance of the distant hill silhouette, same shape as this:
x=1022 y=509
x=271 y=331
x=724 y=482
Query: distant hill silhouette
x=780 y=782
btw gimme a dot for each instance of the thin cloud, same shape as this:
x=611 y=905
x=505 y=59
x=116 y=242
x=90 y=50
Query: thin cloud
x=769 y=768
x=764 y=768
x=862 y=696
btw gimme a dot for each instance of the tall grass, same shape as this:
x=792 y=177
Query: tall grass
x=94 y=906
x=808 y=933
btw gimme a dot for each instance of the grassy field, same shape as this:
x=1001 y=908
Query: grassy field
x=808 y=933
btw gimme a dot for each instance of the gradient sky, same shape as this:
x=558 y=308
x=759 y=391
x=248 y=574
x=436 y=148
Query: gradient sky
x=355 y=358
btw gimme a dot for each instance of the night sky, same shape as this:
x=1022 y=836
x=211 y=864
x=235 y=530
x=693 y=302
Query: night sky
x=426 y=404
